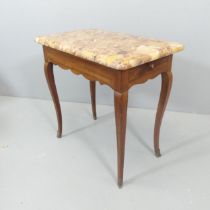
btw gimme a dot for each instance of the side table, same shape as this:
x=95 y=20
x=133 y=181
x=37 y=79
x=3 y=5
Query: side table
x=117 y=60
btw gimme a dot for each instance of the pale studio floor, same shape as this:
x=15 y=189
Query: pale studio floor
x=78 y=172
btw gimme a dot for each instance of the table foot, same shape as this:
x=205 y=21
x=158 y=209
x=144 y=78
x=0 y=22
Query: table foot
x=59 y=134
x=120 y=183
x=157 y=153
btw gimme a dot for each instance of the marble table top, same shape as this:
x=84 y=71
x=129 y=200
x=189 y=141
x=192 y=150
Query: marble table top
x=115 y=50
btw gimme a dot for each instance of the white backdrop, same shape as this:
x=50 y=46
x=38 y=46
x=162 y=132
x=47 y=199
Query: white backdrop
x=185 y=21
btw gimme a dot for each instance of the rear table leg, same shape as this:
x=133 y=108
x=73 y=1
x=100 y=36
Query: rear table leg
x=164 y=95
x=93 y=98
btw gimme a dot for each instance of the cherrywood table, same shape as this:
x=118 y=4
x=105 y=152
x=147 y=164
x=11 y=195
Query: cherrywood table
x=95 y=55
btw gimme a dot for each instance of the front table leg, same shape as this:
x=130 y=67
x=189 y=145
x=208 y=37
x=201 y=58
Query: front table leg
x=48 y=68
x=120 y=103
x=164 y=95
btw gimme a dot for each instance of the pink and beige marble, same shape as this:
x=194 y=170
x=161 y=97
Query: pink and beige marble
x=116 y=50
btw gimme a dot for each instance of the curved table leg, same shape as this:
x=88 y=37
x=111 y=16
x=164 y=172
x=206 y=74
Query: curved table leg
x=48 y=68
x=93 y=98
x=120 y=103
x=164 y=95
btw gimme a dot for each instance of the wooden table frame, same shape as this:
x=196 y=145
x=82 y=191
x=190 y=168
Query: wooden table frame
x=120 y=81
